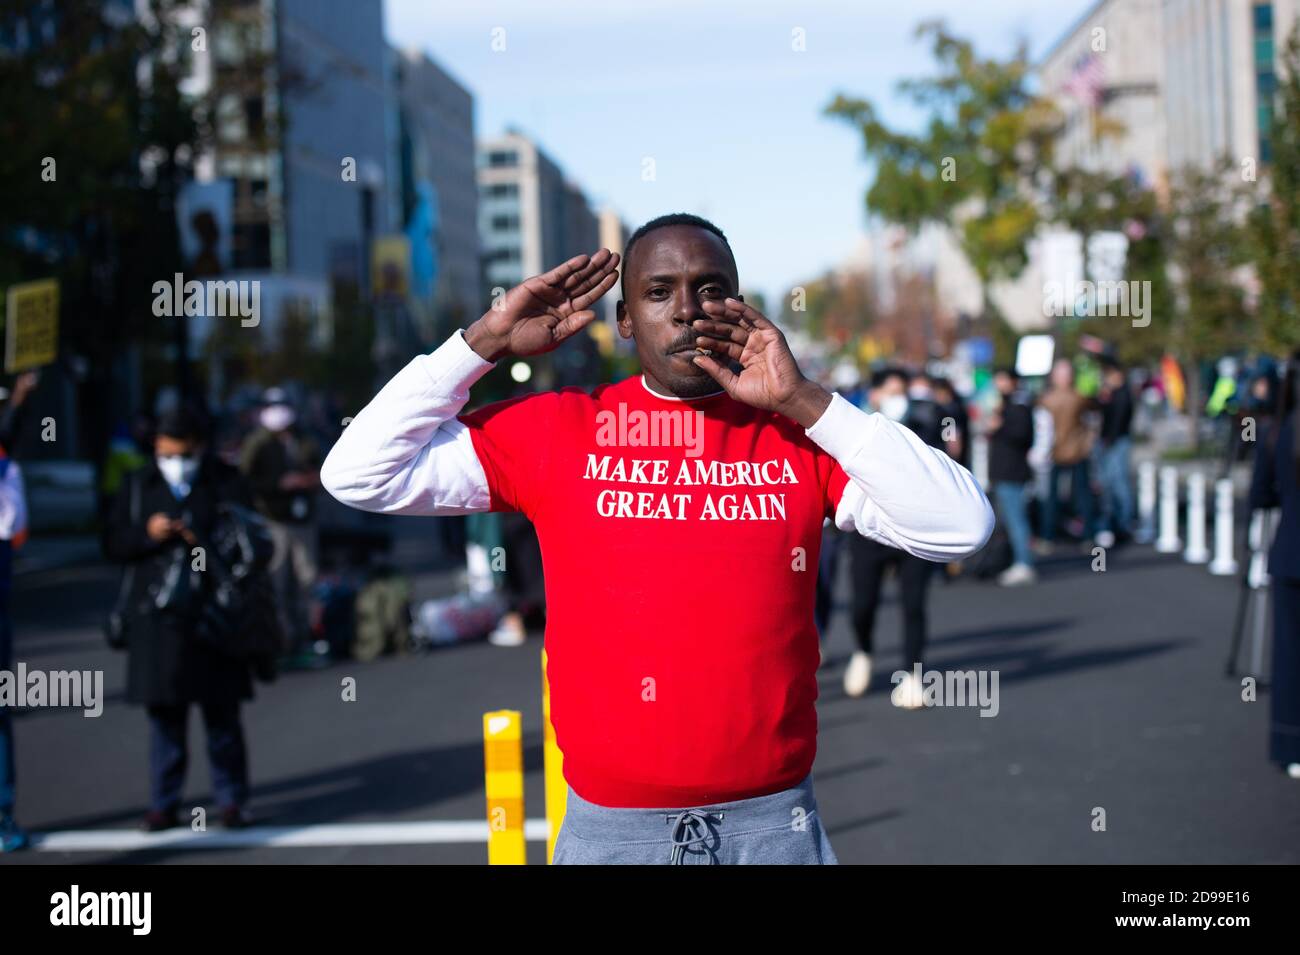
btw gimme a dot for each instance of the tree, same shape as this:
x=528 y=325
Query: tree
x=1275 y=221
x=973 y=166
x=98 y=140
x=1207 y=250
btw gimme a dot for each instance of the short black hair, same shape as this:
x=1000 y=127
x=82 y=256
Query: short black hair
x=882 y=375
x=1008 y=371
x=184 y=423
x=662 y=222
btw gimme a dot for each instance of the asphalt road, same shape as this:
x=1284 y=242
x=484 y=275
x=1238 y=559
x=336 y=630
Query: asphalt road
x=1112 y=696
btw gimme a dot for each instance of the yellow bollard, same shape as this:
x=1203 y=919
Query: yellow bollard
x=557 y=792
x=503 y=762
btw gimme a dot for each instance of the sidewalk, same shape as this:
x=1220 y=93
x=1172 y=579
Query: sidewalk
x=44 y=552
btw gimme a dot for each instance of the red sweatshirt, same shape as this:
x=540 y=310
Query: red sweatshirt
x=679 y=585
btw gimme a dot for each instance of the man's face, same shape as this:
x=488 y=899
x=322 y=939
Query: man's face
x=672 y=271
x=168 y=447
x=1004 y=382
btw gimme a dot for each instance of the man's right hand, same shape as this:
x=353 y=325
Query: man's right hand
x=542 y=311
x=161 y=527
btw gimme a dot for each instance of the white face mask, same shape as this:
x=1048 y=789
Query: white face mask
x=178 y=468
x=894 y=407
x=277 y=417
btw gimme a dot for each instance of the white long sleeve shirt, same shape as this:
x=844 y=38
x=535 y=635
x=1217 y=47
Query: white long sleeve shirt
x=406 y=453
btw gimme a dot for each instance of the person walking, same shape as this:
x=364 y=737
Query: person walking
x=156 y=523
x=1275 y=483
x=282 y=466
x=1071 y=448
x=13 y=532
x=1011 y=436
x=870 y=559
x=1113 y=448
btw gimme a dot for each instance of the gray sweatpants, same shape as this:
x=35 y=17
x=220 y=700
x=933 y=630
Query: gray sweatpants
x=780 y=829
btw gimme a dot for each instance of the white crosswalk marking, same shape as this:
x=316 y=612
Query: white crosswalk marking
x=343 y=834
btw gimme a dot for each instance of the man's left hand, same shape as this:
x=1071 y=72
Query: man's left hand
x=769 y=377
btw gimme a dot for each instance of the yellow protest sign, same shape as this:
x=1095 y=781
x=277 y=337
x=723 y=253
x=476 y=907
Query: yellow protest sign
x=31 y=325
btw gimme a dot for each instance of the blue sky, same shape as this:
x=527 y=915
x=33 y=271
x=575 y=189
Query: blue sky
x=715 y=94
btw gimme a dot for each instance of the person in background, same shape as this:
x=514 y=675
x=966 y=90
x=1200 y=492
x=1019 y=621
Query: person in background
x=1071 y=447
x=159 y=515
x=282 y=466
x=1276 y=483
x=951 y=406
x=1011 y=435
x=870 y=559
x=1114 y=445
x=13 y=532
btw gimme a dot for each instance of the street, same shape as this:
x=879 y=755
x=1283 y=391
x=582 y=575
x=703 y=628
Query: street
x=1112 y=696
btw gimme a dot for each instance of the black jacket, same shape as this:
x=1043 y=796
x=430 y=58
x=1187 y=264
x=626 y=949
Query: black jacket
x=1274 y=484
x=268 y=457
x=167 y=664
x=1009 y=445
x=1116 y=415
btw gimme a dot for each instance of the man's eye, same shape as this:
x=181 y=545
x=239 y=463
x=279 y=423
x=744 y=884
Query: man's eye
x=713 y=291
x=655 y=292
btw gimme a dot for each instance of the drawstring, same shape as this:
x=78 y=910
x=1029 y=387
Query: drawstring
x=693 y=824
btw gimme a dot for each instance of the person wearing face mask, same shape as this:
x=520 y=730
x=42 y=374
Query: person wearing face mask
x=898 y=398
x=158 y=517
x=282 y=466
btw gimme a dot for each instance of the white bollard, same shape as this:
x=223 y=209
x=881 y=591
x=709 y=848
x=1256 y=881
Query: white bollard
x=979 y=460
x=1197 y=552
x=1225 y=561
x=1146 y=529
x=1168 y=542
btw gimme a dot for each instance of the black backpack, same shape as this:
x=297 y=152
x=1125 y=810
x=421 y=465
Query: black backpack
x=238 y=616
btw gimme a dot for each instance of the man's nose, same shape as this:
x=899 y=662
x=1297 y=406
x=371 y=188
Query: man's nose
x=686 y=308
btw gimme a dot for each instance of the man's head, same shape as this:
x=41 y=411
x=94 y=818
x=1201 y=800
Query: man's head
x=1006 y=381
x=671 y=265
x=179 y=434
x=1062 y=374
x=888 y=393
x=277 y=413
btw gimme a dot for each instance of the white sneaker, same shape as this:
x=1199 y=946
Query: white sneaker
x=1017 y=575
x=508 y=633
x=1104 y=540
x=858 y=676
x=1293 y=770
x=908 y=693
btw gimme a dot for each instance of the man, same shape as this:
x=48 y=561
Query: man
x=680 y=556
x=1113 y=456
x=13 y=532
x=1071 y=448
x=282 y=466
x=1011 y=436
x=901 y=400
x=160 y=515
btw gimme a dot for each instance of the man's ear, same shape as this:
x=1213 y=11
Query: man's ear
x=622 y=319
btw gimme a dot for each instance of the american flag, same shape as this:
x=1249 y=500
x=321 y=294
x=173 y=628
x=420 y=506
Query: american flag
x=1088 y=80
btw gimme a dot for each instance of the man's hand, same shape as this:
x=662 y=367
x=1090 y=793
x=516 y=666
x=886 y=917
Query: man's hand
x=542 y=311
x=769 y=377
x=161 y=527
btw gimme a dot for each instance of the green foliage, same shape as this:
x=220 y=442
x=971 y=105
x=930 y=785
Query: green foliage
x=973 y=165
x=1275 y=222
